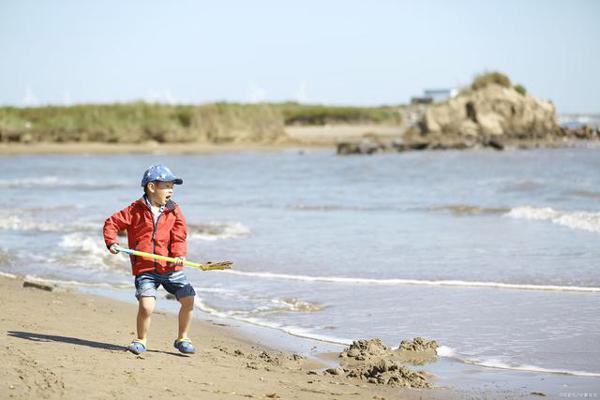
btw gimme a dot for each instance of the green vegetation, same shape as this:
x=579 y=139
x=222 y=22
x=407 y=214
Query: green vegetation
x=488 y=78
x=299 y=114
x=139 y=122
x=521 y=89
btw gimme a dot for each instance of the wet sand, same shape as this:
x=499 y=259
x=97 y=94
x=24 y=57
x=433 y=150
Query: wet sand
x=64 y=344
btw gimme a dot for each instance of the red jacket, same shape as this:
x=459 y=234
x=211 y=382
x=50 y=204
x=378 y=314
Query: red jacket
x=166 y=238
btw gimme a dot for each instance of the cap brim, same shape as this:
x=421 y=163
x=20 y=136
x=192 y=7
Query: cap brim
x=176 y=181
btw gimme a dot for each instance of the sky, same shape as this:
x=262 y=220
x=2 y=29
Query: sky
x=332 y=52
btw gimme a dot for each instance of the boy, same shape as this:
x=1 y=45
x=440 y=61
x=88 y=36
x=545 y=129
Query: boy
x=155 y=224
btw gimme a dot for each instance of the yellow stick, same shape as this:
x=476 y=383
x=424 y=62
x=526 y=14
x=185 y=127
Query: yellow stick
x=204 y=267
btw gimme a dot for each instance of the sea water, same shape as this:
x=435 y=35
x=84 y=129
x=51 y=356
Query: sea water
x=492 y=254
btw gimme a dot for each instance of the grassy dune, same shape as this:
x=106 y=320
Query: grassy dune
x=210 y=123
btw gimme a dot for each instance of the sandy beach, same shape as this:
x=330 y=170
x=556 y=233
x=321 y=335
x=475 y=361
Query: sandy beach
x=67 y=345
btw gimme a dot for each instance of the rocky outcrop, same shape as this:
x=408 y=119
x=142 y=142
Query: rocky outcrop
x=492 y=116
x=365 y=146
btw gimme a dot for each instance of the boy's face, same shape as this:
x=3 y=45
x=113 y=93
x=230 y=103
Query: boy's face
x=160 y=192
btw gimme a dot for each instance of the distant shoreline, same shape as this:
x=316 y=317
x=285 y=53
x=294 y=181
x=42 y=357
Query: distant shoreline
x=19 y=149
x=297 y=137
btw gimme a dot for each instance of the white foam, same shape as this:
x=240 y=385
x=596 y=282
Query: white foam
x=78 y=241
x=417 y=282
x=9 y=221
x=449 y=352
x=291 y=330
x=445 y=351
x=532 y=368
x=579 y=220
x=57 y=182
x=8 y=275
x=61 y=282
x=215 y=231
x=30 y=182
x=296 y=305
x=12 y=222
x=87 y=252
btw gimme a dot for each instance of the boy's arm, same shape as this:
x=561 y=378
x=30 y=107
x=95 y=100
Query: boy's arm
x=179 y=235
x=114 y=224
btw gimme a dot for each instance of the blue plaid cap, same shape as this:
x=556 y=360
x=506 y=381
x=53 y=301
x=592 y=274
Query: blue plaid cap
x=160 y=172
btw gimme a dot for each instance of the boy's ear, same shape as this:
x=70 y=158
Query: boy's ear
x=151 y=186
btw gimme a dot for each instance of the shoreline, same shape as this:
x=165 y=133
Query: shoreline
x=94 y=148
x=46 y=326
x=296 y=144
x=66 y=344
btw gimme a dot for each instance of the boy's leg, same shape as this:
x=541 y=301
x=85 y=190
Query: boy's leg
x=177 y=284
x=185 y=315
x=145 y=308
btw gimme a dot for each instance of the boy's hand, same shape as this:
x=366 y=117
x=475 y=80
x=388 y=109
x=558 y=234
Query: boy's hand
x=179 y=262
x=113 y=248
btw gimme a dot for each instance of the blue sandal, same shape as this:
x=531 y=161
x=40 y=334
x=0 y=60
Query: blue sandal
x=136 y=347
x=184 y=346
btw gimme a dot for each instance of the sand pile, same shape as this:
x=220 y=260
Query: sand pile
x=383 y=371
x=418 y=344
x=388 y=372
x=363 y=349
x=374 y=362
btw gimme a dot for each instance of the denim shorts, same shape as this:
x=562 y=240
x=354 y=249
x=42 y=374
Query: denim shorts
x=174 y=282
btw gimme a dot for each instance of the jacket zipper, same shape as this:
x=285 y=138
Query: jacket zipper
x=155 y=225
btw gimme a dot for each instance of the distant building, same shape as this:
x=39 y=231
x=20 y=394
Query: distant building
x=575 y=121
x=434 y=95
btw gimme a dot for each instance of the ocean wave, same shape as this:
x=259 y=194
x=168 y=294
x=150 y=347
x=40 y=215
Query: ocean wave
x=69 y=283
x=291 y=330
x=337 y=207
x=59 y=182
x=14 y=223
x=87 y=252
x=578 y=220
x=588 y=194
x=68 y=208
x=415 y=282
x=523 y=186
x=8 y=275
x=448 y=352
x=287 y=305
x=260 y=304
x=62 y=282
x=456 y=209
x=296 y=305
x=468 y=209
x=215 y=231
x=17 y=223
